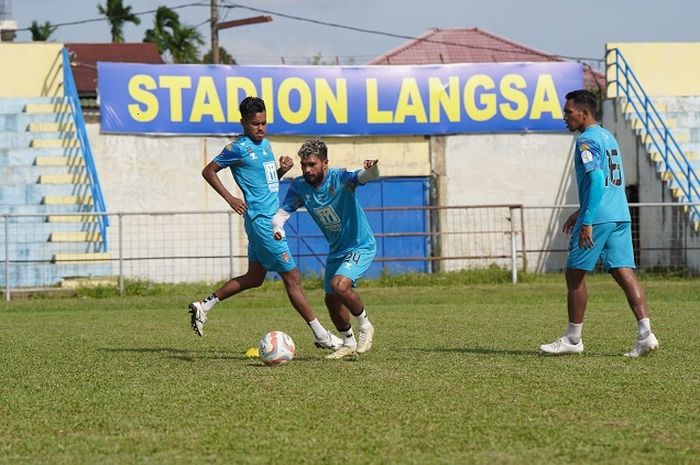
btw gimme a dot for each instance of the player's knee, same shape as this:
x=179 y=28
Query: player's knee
x=341 y=285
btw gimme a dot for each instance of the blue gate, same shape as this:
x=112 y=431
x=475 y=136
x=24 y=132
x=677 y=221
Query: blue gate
x=401 y=234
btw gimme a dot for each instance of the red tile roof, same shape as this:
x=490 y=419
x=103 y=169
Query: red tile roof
x=84 y=58
x=470 y=46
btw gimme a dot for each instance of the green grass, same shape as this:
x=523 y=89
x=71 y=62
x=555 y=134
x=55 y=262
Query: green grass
x=454 y=378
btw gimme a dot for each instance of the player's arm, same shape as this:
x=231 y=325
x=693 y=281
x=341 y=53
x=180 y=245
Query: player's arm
x=369 y=171
x=290 y=204
x=596 y=183
x=570 y=222
x=210 y=174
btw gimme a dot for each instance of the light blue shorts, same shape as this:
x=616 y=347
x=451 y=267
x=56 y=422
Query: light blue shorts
x=262 y=247
x=352 y=265
x=612 y=244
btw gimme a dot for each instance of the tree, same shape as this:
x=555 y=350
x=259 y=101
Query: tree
x=185 y=45
x=117 y=14
x=225 y=58
x=43 y=32
x=164 y=22
x=180 y=41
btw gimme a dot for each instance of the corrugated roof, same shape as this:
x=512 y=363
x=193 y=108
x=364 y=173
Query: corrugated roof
x=84 y=58
x=443 y=46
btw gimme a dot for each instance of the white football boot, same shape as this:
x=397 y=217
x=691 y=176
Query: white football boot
x=562 y=346
x=331 y=341
x=643 y=347
x=342 y=352
x=198 y=316
x=364 y=338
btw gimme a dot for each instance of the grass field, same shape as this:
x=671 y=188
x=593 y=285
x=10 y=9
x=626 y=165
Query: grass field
x=454 y=378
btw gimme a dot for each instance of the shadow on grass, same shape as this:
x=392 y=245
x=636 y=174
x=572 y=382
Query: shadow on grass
x=478 y=351
x=188 y=355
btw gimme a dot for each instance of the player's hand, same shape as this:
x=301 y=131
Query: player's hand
x=238 y=205
x=286 y=163
x=370 y=163
x=277 y=235
x=569 y=223
x=585 y=238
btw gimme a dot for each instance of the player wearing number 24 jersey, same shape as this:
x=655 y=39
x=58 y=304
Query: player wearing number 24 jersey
x=329 y=196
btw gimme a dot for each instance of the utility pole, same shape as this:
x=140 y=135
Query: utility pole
x=214 y=32
x=216 y=25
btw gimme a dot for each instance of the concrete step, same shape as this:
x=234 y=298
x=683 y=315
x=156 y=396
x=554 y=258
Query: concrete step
x=689 y=155
x=50 y=274
x=24 y=139
x=33 y=194
x=681 y=136
x=59 y=161
x=67 y=200
x=47 y=108
x=18 y=104
x=73 y=218
x=42 y=231
x=629 y=107
x=91 y=257
x=47 y=143
x=47 y=251
x=67 y=178
x=20 y=122
x=77 y=236
x=679 y=104
x=51 y=127
x=29 y=174
x=686 y=119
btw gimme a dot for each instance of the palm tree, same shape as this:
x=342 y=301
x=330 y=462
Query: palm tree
x=179 y=40
x=43 y=32
x=165 y=19
x=185 y=45
x=117 y=14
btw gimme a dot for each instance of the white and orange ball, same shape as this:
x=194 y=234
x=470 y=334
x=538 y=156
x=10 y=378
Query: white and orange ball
x=276 y=348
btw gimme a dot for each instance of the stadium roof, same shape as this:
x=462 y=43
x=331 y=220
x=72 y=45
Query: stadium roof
x=84 y=58
x=443 y=46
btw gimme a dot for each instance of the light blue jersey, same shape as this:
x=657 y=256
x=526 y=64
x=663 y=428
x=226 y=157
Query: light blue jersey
x=334 y=207
x=255 y=171
x=597 y=149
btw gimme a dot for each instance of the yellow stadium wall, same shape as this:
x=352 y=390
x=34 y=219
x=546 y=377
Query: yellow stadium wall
x=663 y=69
x=31 y=70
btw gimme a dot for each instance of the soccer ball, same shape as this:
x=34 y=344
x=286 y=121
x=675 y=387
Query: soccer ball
x=276 y=348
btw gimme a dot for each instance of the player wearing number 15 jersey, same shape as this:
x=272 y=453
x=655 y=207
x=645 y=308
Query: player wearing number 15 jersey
x=329 y=196
x=600 y=228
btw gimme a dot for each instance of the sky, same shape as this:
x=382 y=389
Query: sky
x=561 y=27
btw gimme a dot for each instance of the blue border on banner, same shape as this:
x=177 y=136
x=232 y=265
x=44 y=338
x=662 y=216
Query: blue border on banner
x=335 y=100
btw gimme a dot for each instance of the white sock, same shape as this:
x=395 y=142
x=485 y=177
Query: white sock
x=362 y=319
x=643 y=328
x=348 y=338
x=209 y=302
x=573 y=332
x=318 y=329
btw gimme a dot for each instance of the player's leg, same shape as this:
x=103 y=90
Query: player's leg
x=341 y=319
x=344 y=274
x=254 y=277
x=618 y=258
x=578 y=262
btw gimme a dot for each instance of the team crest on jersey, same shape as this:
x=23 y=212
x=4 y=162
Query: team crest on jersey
x=285 y=256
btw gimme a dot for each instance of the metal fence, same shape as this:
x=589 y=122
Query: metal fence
x=208 y=246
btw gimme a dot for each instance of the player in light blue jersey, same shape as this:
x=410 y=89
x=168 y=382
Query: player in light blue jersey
x=329 y=196
x=252 y=163
x=600 y=228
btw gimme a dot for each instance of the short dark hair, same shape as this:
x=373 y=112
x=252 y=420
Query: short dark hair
x=250 y=106
x=584 y=99
x=313 y=147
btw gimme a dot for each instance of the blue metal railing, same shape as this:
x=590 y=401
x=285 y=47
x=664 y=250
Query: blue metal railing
x=674 y=160
x=71 y=94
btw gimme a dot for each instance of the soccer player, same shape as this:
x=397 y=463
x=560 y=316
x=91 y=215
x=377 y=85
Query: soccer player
x=252 y=163
x=600 y=228
x=329 y=196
